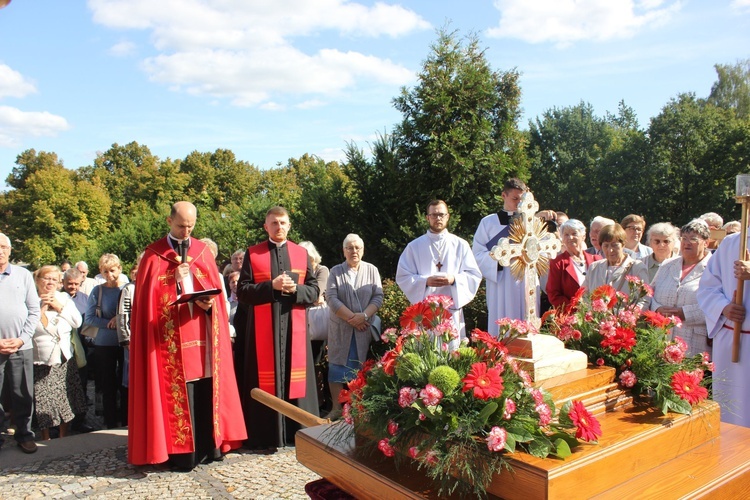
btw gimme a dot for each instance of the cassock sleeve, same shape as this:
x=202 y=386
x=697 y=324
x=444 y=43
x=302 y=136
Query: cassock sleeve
x=712 y=298
x=309 y=291
x=468 y=277
x=248 y=291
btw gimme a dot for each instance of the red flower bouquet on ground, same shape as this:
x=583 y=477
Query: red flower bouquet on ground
x=458 y=413
x=612 y=330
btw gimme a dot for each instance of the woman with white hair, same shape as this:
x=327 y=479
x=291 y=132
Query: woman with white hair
x=568 y=270
x=354 y=294
x=676 y=286
x=662 y=238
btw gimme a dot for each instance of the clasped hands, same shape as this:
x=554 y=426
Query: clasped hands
x=10 y=346
x=284 y=284
x=358 y=321
x=441 y=280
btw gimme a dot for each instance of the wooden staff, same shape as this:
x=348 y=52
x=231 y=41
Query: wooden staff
x=299 y=415
x=739 y=294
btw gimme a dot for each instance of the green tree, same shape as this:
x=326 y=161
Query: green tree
x=51 y=215
x=732 y=89
x=459 y=138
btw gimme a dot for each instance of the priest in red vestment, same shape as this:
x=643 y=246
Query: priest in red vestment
x=272 y=347
x=183 y=398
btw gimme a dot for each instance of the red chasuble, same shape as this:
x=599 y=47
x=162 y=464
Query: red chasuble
x=261 y=264
x=168 y=348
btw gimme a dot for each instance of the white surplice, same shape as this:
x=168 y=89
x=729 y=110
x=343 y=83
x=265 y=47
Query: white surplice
x=420 y=260
x=506 y=297
x=716 y=290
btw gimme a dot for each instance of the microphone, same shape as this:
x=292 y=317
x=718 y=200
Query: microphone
x=183 y=259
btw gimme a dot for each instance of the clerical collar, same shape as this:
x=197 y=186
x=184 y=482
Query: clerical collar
x=278 y=244
x=175 y=243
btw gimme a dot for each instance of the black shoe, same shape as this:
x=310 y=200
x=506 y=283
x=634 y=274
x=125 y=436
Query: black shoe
x=83 y=428
x=28 y=446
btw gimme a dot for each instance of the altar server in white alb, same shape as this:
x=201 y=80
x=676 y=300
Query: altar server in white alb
x=731 y=381
x=440 y=263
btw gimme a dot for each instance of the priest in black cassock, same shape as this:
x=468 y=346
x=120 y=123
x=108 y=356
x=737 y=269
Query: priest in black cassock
x=272 y=347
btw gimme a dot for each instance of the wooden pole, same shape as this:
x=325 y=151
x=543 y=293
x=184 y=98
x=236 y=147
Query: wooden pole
x=739 y=295
x=300 y=416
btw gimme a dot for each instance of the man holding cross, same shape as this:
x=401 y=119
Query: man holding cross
x=440 y=263
x=506 y=296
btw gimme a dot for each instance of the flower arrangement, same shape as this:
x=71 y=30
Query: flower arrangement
x=612 y=330
x=457 y=413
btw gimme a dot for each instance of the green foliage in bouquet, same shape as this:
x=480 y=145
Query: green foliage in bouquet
x=612 y=330
x=457 y=412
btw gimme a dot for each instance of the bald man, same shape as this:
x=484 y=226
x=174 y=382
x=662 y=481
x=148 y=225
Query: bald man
x=184 y=406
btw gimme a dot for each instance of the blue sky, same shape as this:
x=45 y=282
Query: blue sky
x=275 y=79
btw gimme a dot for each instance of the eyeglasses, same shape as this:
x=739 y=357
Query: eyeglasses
x=661 y=242
x=437 y=216
x=691 y=239
x=637 y=229
x=353 y=249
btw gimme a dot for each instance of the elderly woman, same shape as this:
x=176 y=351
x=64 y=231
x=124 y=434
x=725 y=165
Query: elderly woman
x=676 y=286
x=101 y=313
x=616 y=265
x=568 y=270
x=58 y=394
x=354 y=294
x=662 y=238
x=634 y=226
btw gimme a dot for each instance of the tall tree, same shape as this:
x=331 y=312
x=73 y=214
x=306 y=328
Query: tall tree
x=459 y=138
x=732 y=89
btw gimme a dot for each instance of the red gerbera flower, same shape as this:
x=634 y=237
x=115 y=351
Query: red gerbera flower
x=486 y=382
x=587 y=426
x=624 y=338
x=688 y=387
x=607 y=294
x=388 y=361
x=417 y=315
x=656 y=319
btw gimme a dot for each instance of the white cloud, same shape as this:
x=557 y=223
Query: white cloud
x=566 y=21
x=15 y=125
x=248 y=51
x=741 y=5
x=122 y=49
x=13 y=83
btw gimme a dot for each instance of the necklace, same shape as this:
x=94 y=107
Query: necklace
x=437 y=250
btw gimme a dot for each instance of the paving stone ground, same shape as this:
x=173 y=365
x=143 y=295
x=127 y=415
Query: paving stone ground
x=95 y=466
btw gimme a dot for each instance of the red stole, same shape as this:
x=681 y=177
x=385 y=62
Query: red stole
x=260 y=261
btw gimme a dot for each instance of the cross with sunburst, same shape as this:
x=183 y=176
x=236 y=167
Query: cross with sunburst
x=527 y=250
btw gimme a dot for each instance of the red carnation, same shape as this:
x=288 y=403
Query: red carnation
x=486 y=382
x=656 y=319
x=624 y=338
x=587 y=426
x=688 y=387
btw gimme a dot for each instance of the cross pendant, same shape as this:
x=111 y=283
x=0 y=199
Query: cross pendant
x=439 y=266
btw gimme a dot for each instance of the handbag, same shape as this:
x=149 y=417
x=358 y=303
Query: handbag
x=78 y=349
x=318 y=318
x=91 y=330
x=375 y=327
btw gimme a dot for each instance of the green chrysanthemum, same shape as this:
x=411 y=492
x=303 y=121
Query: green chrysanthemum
x=444 y=378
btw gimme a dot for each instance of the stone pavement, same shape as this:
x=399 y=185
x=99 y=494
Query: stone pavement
x=95 y=466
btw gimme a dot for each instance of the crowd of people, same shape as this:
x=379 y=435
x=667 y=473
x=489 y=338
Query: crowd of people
x=176 y=350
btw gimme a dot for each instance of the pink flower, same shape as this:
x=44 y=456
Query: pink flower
x=587 y=426
x=431 y=457
x=392 y=427
x=385 y=446
x=628 y=317
x=687 y=386
x=510 y=409
x=588 y=316
x=576 y=334
x=545 y=415
x=608 y=328
x=496 y=439
x=422 y=417
x=537 y=395
x=676 y=320
x=406 y=396
x=599 y=305
x=346 y=412
x=599 y=362
x=628 y=378
x=649 y=289
x=414 y=452
x=431 y=395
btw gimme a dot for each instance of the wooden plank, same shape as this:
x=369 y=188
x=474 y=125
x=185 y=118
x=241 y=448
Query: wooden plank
x=717 y=469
